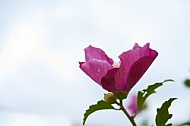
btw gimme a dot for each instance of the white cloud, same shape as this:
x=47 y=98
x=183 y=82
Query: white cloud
x=62 y=13
x=27 y=43
x=24 y=44
x=28 y=119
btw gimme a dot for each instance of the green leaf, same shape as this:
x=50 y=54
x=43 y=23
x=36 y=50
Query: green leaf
x=187 y=82
x=144 y=94
x=162 y=113
x=93 y=108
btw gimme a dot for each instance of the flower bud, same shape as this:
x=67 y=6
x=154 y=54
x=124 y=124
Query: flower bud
x=110 y=98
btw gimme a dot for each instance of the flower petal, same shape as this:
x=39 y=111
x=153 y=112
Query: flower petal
x=95 y=69
x=120 y=79
x=137 y=70
x=108 y=81
x=133 y=108
x=96 y=53
x=134 y=64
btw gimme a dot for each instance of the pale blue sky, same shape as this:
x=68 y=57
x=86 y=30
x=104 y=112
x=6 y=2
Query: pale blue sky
x=41 y=42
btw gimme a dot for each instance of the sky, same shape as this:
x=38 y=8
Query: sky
x=41 y=42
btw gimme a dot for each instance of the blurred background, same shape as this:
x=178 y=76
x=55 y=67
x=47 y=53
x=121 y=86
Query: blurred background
x=41 y=42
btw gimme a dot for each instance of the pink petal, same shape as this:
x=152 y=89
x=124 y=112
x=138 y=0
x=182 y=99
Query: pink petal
x=134 y=64
x=96 y=53
x=133 y=108
x=137 y=70
x=95 y=69
x=108 y=81
x=120 y=78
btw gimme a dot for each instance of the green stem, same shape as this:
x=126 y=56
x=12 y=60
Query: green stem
x=131 y=118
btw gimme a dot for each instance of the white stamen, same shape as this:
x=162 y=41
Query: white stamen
x=116 y=65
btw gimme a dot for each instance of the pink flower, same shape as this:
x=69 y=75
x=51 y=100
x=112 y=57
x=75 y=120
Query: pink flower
x=119 y=77
x=132 y=107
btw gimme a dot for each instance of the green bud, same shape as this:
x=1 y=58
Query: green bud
x=110 y=98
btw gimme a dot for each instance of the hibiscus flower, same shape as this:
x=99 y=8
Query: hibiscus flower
x=118 y=77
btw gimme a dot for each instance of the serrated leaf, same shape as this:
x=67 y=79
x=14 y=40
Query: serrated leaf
x=162 y=113
x=93 y=108
x=144 y=94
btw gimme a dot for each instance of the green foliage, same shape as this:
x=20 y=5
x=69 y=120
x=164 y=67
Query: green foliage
x=93 y=108
x=187 y=83
x=120 y=95
x=163 y=115
x=144 y=94
x=185 y=124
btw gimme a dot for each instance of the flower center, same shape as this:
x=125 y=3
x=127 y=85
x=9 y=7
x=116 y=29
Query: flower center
x=116 y=65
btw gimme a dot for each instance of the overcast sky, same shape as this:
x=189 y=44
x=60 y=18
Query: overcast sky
x=41 y=42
